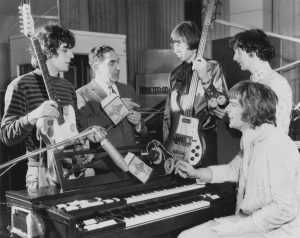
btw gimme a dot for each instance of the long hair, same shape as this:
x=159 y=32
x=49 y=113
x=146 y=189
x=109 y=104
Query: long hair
x=189 y=32
x=257 y=100
x=51 y=36
x=254 y=40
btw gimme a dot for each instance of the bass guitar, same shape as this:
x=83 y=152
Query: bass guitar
x=185 y=142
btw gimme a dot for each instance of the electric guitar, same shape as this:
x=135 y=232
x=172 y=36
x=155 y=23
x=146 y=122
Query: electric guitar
x=65 y=126
x=185 y=142
x=51 y=130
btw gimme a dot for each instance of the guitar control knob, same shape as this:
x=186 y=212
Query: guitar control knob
x=221 y=99
x=169 y=166
x=212 y=103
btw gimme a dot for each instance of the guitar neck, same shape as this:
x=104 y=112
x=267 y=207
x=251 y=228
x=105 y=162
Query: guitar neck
x=194 y=82
x=201 y=47
x=42 y=65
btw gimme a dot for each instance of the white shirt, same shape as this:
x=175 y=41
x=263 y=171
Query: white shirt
x=270 y=194
x=281 y=87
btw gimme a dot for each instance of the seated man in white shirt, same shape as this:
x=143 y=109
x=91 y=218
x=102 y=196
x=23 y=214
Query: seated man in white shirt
x=266 y=170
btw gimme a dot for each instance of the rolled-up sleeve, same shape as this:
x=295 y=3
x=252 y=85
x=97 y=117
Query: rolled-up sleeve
x=228 y=172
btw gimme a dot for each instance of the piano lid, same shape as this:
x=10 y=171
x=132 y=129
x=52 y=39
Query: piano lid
x=105 y=171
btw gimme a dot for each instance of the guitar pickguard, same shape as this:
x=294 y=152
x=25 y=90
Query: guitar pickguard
x=54 y=132
x=186 y=143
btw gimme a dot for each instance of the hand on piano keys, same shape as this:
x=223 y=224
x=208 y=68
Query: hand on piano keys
x=185 y=169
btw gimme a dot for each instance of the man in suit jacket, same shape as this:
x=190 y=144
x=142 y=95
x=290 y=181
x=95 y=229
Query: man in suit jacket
x=105 y=65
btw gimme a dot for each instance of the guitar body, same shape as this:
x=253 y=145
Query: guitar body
x=68 y=129
x=185 y=142
x=54 y=132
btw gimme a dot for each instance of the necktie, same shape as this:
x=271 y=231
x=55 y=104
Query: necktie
x=111 y=89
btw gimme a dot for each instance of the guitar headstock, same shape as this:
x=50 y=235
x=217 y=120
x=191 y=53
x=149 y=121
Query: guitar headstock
x=218 y=8
x=26 y=19
x=209 y=9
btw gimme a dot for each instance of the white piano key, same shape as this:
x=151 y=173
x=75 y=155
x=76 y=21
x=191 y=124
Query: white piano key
x=215 y=196
x=61 y=206
x=89 y=222
x=71 y=208
x=74 y=203
x=100 y=225
x=108 y=201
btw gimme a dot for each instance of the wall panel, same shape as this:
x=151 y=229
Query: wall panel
x=286 y=18
x=74 y=14
x=108 y=16
x=147 y=23
x=149 y=26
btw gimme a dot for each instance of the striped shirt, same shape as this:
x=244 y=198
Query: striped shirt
x=25 y=94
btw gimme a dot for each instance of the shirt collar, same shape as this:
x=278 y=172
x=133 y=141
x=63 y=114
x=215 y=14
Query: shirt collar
x=251 y=136
x=107 y=88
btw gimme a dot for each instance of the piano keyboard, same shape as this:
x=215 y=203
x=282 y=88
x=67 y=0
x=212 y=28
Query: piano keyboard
x=165 y=213
x=141 y=214
x=162 y=193
x=77 y=205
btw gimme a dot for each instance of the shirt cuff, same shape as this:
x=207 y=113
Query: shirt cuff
x=138 y=127
x=217 y=173
x=24 y=121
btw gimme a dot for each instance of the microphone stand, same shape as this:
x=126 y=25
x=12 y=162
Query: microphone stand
x=85 y=133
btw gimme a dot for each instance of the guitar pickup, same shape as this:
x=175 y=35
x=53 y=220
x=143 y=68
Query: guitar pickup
x=183 y=140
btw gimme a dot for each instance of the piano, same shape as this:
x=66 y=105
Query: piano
x=116 y=204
